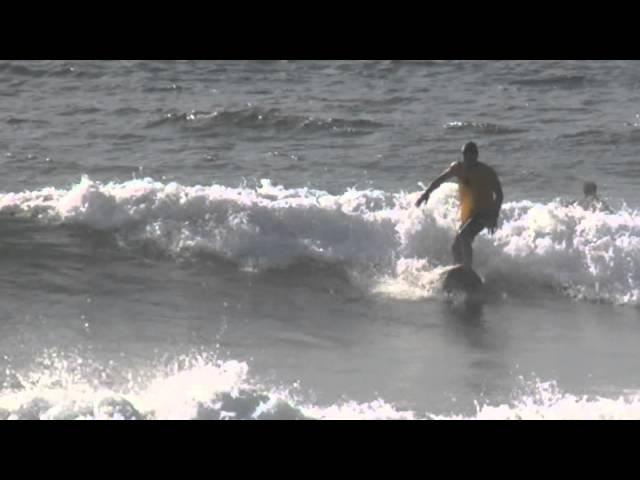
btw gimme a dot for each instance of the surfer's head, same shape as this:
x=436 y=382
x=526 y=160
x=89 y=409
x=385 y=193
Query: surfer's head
x=470 y=153
x=589 y=189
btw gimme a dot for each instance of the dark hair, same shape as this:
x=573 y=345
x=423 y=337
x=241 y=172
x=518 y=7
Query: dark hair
x=470 y=147
x=589 y=188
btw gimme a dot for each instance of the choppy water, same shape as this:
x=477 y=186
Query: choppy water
x=238 y=240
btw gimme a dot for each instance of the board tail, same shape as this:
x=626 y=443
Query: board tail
x=461 y=278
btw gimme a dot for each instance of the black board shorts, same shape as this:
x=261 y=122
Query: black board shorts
x=474 y=226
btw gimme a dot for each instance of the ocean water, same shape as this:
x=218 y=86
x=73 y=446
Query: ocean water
x=238 y=240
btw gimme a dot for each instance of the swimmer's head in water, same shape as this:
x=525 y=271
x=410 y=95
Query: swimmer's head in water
x=589 y=188
x=470 y=153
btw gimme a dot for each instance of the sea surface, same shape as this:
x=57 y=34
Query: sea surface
x=238 y=240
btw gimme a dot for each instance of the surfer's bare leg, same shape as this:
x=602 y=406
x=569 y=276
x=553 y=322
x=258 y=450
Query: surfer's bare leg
x=456 y=248
x=462 y=251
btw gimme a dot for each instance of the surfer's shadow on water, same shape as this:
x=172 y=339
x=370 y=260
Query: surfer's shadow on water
x=467 y=323
x=464 y=309
x=474 y=325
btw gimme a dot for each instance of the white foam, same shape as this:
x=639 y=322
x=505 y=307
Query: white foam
x=199 y=386
x=548 y=402
x=192 y=387
x=590 y=255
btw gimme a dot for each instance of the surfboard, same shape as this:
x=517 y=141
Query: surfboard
x=458 y=278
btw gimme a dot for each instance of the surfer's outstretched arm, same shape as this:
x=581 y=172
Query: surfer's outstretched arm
x=446 y=175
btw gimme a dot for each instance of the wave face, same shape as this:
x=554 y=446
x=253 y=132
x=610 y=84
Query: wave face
x=373 y=234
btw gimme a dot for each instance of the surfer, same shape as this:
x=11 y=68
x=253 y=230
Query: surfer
x=480 y=195
x=591 y=200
